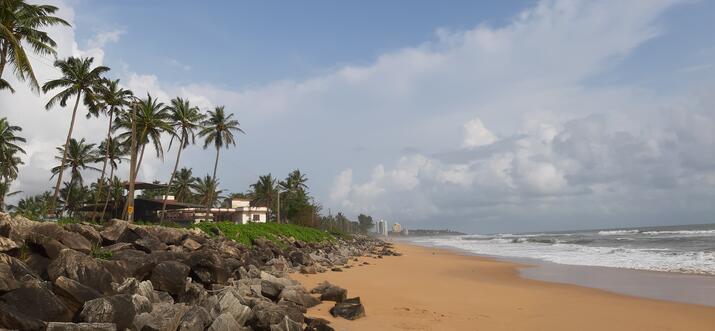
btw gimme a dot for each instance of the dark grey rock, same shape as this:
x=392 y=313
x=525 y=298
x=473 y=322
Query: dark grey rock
x=73 y=294
x=12 y=318
x=298 y=295
x=65 y=326
x=196 y=318
x=271 y=290
x=287 y=324
x=170 y=276
x=207 y=267
x=224 y=322
x=229 y=303
x=349 y=309
x=118 y=309
x=317 y=324
x=82 y=268
x=44 y=245
x=330 y=292
x=38 y=303
x=163 y=316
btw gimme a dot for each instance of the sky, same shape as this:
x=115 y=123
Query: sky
x=501 y=116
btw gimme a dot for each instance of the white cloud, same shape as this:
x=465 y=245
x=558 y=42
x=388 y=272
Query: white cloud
x=477 y=135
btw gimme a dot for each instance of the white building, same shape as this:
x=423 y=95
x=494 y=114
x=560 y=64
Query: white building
x=240 y=212
x=396 y=228
x=382 y=227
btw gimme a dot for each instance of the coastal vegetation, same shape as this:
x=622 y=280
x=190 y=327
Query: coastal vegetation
x=132 y=121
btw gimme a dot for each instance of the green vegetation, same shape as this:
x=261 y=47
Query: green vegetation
x=245 y=233
x=100 y=253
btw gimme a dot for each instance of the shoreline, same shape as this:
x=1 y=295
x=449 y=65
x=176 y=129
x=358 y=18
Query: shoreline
x=650 y=284
x=439 y=289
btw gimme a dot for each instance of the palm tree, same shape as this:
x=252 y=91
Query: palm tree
x=9 y=161
x=218 y=130
x=21 y=24
x=76 y=195
x=185 y=119
x=264 y=191
x=111 y=99
x=207 y=191
x=152 y=120
x=295 y=182
x=32 y=207
x=79 y=157
x=78 y=77
x=114 y=154
x=182 y=184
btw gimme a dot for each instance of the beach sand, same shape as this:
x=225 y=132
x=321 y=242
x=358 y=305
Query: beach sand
x=436 y=289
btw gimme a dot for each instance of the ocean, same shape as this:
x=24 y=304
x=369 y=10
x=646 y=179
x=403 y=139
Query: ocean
x=683 y=249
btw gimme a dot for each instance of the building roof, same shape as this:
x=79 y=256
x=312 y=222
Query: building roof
x=144 y=185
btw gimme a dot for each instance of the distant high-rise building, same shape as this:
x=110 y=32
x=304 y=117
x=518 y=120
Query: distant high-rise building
x=406 y=232
x=396 y=228
x=382 y=227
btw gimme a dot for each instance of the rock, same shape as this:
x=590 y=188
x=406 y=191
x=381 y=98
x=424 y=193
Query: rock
x=271 y=290
x=38 y=303
x=196 y=318
x=118 y=247
x=44 y=245
x=336 y=269
x=139 y=264
x=38 y=264
x=298 y=295
x=224 y=322
x=330 y=292
x=311 y=269
x=207 y=267
x=229 y=303
x=87 y=231
x=163 y=316
x=167 y=235
x=73 y=293
x=149 y=244
x=113 y=231
x=9 y=246
x=317 y=324
x=170 y=276
x=11 y=318
x=75 y=241
x=82 y=268
x=266 y=314
x=118 y=309
x=349 y=309
x=287 y=324
x=7 y=279
x=191 y=244
x=64 y=326
x=299 y=258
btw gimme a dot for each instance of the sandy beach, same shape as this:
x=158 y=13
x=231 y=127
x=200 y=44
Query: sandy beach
x=436 y=289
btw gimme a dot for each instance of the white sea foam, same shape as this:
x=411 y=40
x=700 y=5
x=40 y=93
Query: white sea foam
x=681 y=232
x=656 y=259
x=616 y=232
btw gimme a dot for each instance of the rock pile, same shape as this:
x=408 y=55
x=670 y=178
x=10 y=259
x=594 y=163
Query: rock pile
x=123 y=276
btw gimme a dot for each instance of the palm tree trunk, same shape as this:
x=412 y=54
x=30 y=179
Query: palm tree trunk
x=168 y=185
x=210 y=197
x=104 y=165
x=69 y=190
x=136 y=171
x=64 y=155
x=109 y=190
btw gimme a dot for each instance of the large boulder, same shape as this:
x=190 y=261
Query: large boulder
x=38 y=303
x=65 y=326
x=73 y=293
x=44 y=245
x=139 y=264
x=87 y=231
x=349 y=309
x=82 y=268
x=149 y=244
x=75 y=241
x=229 y=303
x=118 y=231
x=12 y=318
x=224 y=322
x=196 y=318
x=170 y=276
x=7 y=279
x=207 y=267
x=169 y=236
x=271 y=290
x=163 y=316
x=8 y=246
x=119 y=309
x=266 y=314
x=298 y=295
x=330 y=292
x=317 y=324
x=287 y=324
x=299 y=258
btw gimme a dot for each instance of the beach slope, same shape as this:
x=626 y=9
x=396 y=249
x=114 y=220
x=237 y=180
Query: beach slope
x=436 y=289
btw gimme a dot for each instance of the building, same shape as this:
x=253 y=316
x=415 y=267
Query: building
x=242 y=212
x=382 y=228
x=396 y=228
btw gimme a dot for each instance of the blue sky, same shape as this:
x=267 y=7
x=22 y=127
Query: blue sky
x=479 y=116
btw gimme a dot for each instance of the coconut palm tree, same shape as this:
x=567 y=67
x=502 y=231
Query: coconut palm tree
x=296 y=181
x=32 y=207
x=207 y=191
x=219 y=130
x=182 y=184
x=152 y=120
x=9 y=161
x=21 y=24
x=111 y=99
x=185 y=119
x=264 y=191
x=80 y=79
x=79 y=157
x=115 y=153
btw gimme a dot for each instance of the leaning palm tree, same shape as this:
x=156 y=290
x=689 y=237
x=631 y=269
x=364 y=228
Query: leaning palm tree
x=21 y=24
x=78 y=78
x=152 y=120
x=185 y=119
x=79 y=156
x=218 y=130
x=111 y=99
x=115 y=153
x=182 y=185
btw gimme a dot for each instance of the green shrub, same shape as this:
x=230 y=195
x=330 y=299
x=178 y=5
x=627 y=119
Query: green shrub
x=98 y=252
x=245 y=233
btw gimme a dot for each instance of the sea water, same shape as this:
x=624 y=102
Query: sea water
x=684 y=249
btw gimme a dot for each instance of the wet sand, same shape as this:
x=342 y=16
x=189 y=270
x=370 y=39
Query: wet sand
x=437 y=289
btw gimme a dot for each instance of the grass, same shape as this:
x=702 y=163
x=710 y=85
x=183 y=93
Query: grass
x=98 y=252
x=245 y=233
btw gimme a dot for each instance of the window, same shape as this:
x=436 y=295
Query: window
x=256 y=217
